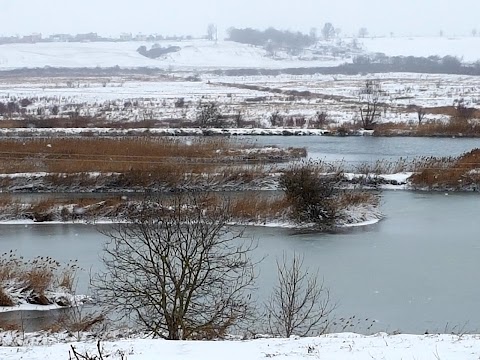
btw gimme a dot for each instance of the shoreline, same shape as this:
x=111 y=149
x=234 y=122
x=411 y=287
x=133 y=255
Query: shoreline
x=273 y=224
x=228 y=132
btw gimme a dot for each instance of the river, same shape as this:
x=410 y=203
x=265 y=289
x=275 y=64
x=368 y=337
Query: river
x=415 y=271
x=358 y=149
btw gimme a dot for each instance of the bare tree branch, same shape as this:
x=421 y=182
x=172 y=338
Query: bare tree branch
x=370 y=112
x=300 y=304
x=178 y=267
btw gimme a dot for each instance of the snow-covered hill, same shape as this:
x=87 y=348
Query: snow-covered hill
x=194 y=54
x=203 y=54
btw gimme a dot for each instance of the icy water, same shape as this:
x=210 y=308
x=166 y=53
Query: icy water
x=358 y=149
x=415 y=271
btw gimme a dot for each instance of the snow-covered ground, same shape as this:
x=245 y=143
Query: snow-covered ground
x=466 y=48
x=133 y=99
x=153 y=97
x=194 y=55
x=332 y=347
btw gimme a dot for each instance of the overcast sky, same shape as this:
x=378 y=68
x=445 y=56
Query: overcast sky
x=182 y=17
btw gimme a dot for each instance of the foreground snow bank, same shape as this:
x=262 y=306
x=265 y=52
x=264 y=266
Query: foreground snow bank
x=332 y=347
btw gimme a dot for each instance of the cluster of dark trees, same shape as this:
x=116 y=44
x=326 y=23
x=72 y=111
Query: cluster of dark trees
x=9 y=108
x=378 y=63
x=157 y=51
x=287 y=39
x=432 y=64
x=14 y=106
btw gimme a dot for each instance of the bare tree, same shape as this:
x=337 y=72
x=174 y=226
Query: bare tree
x=271 y=48
x=420 y=114
x=275 y=118
x=328 y=31
x=370 y=110
x=300 y=304
x=362 y=32
x=238 y=117
x=177 y=268
x=338 y=32
x=208 y=114
x=319 y=120
x=212 y=32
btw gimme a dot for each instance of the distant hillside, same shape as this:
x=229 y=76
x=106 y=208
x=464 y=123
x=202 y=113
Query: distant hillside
x=192 y=55
x=203 y=55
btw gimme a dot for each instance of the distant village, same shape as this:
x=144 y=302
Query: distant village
x=88 y=37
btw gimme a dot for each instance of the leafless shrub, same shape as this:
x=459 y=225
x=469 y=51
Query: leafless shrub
x=180 y=103
x=300 y=303
x=275 y=118
x=74 y=354
x=208 y=114
x=311 y=194
x=75 y=320
x=462 y=112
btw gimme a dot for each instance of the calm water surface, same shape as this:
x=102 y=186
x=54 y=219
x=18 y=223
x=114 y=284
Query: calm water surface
x=416 y=270
x=356 y=149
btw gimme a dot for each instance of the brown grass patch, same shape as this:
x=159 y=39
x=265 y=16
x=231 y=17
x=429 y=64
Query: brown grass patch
x=453 y=127
x=394 y=128
x=38 y=279
x=121 y=155
x=33 y=278
x=355 y=198
x=447 y=110
x=252 y=207
x=383 y=167
x=454 y=173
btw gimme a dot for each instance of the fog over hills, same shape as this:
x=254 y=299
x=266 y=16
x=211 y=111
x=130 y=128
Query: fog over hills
x=403 y=18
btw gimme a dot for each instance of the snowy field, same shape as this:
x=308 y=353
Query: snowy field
x=134 y=98
x=154 y=96
x=332 y=347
